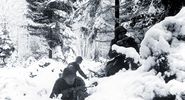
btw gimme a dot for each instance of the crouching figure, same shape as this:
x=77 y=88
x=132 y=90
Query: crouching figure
x=70 y=86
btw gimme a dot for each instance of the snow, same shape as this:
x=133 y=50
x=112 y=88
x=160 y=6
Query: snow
x=130 y=85
x=158 y=36
x=17 y=84
x=34 y=79
x=151 y=9
x=102 y=22
x=125 y=85
x=164 y=38
x=129 y=52
x=13 y=14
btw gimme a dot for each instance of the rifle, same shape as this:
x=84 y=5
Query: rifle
x=96 y=73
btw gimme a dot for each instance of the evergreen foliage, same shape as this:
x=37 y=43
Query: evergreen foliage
x=6 y=46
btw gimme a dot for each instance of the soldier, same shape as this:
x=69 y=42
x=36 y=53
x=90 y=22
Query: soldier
x=70 y=86
x=121 y=39
x=120 y=61
x=75 y=66
x=119 y=34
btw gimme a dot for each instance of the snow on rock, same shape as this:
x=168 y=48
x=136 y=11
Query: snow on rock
x=129 y=52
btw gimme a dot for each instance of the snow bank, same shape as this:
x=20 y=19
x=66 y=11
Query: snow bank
x=130 y=85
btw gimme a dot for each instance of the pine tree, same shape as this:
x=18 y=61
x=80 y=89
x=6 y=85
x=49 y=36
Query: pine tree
x=96 y=19
x=46 y=19
x=6 y=45
x=138 y=16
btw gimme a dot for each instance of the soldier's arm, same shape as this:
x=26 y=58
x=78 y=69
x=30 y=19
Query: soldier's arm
x=82 y=73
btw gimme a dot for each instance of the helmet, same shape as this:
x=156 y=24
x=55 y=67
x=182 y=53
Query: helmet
x=79 y=58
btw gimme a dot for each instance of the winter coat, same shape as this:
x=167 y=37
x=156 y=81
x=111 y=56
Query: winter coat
x=125 y=42
x=61 y=86
x=120 y=61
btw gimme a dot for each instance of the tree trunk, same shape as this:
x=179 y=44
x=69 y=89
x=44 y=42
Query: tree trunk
x=50 y=49
x=50 y=53
x=117 y=6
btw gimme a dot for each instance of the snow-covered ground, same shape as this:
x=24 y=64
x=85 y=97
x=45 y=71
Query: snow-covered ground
x=35 y=81
x=134 y=85
x=31 y=83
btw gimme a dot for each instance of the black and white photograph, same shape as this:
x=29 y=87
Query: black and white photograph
x=92 y=49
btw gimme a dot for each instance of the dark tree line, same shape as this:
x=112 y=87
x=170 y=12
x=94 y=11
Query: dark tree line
x=141 y=20
x=172 y=7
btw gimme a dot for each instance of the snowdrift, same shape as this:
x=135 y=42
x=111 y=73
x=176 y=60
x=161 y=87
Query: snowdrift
x=133 y=85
